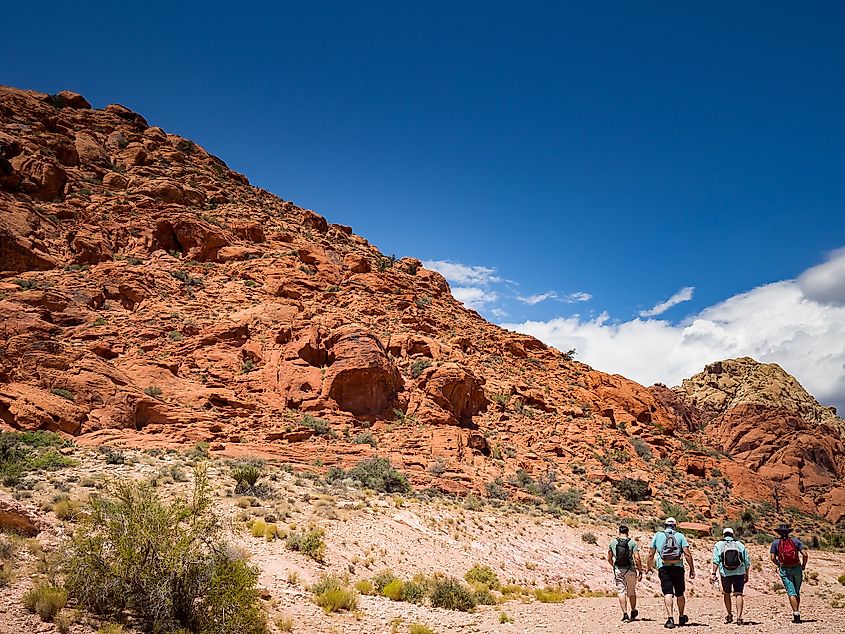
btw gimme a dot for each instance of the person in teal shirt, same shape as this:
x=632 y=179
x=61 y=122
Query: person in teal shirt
x=665 y=544
x=731 y=560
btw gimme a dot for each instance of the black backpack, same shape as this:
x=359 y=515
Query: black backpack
x=622 y=557
x=731 y=557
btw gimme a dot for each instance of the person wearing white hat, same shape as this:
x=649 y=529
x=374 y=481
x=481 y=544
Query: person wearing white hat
x=669 y=549
x=731 y=560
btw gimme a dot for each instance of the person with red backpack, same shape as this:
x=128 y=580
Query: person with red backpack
x=790 y=556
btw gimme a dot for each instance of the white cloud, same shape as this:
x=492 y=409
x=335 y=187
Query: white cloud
x=579 y=296
x=776 y=323
x=536 y=299
x=683 y=295
x=465 y=274
x=825 y=283
x=571 y=298
x=474 y=297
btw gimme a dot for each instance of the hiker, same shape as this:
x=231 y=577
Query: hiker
x=730 y=558
x=790 y=556
x=623 y=555
x=669 y=548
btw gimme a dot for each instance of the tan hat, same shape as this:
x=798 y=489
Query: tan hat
x=670 y=521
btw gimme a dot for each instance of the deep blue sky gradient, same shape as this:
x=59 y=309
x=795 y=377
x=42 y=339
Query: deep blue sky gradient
x=626 y=149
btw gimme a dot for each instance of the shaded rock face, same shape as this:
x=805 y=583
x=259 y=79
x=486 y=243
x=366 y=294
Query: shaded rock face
x=150 y=296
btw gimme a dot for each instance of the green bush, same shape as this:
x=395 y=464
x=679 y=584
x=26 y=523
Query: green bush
x=642 y=448
x=841 y=579
x=378 y=474
x=669 y=509
x=319 y=426
x=633 y=489
x=451 y=594
x=310 y=543
x=418 y=366
x=365 y=438
x=22 y=452
x=419 y=628
x=65 y=394
x=246 y=476
x=45 y=601
x=589 y=538
x=333 y=594
x=483 y=575
x=165 y=562
x=415 y=590
x=153 y=391
x=395 y=590
x=382 y=579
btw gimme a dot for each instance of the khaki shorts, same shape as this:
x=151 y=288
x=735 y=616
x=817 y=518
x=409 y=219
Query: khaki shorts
x=626 y=582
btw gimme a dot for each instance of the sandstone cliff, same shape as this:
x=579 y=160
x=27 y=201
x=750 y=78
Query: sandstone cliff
x=150 y=296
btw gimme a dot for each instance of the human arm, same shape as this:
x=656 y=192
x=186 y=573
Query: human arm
x=650 y=564
x=610 y=557
x=639 y=563
x=804 y=557
x=746 y=560
x=715 y=562
x=690 y=562
x=773 y=553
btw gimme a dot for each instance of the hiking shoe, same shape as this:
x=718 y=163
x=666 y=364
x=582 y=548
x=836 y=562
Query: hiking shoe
x=740 y=622
x=796 y=618
x=683 y=620
x=670 y=623
x=634 y=614
x=730 y=618
x=625 y=618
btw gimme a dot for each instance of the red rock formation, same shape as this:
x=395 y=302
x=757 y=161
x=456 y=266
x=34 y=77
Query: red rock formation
x=151 y=296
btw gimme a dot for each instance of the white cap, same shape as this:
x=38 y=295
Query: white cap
x=670 y=520
x=728 y=531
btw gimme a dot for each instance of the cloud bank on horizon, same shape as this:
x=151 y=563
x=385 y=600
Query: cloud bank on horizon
x=799 y=324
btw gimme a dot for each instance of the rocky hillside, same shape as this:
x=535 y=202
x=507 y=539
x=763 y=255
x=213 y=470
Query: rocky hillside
x=152 y=297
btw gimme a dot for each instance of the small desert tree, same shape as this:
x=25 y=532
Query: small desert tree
x=164 y=561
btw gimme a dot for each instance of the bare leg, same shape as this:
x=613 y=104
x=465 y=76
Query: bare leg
x=795 y=602
x=740 y=603
x=623 y=604
x=727 y=597
x=669 y=604
x=633 y=600
x=682 y=602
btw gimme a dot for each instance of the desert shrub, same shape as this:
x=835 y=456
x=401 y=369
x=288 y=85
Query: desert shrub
x=565 y=499
x=378 y=474
x=841 y=579
x=45 y=601
x=496 y=491
x=64 y=620
x=284 y=623
x=7 y=573
x=589 y=538
x=419 y=628
x=504 y=618
x=152 y=390
x=642 y=448
x=22 y=452
x=65 y=394
x=483 y=596
x=451 y=594
x=416 y=589
x=364 y=586
x=633 y=489
x=552 y=595
x=483 y=575
x=175 y=335
x=308 y=543
x=365 y=438
x=418 y=366
x=673 y=510
x=246 y=476
x=333 y=594
x=66 y=509
x=382 y=579
x=164 y=561
x=319 y=426
x=395 y=590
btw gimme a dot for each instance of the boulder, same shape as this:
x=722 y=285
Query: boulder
x=19 y=519
x=455 y=389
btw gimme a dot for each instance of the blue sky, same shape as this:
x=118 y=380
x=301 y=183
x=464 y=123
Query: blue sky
x=629 y=152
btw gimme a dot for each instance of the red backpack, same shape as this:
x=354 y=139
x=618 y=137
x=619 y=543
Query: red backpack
x=788 y=552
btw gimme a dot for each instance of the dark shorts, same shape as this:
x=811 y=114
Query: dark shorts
x=733 y=583
x=672 y=580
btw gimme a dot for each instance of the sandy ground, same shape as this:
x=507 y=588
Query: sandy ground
x=366 y=533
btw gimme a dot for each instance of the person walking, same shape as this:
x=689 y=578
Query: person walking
x=623 y=555
x=790 y=556
x=731 y=560
x=669 y=549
